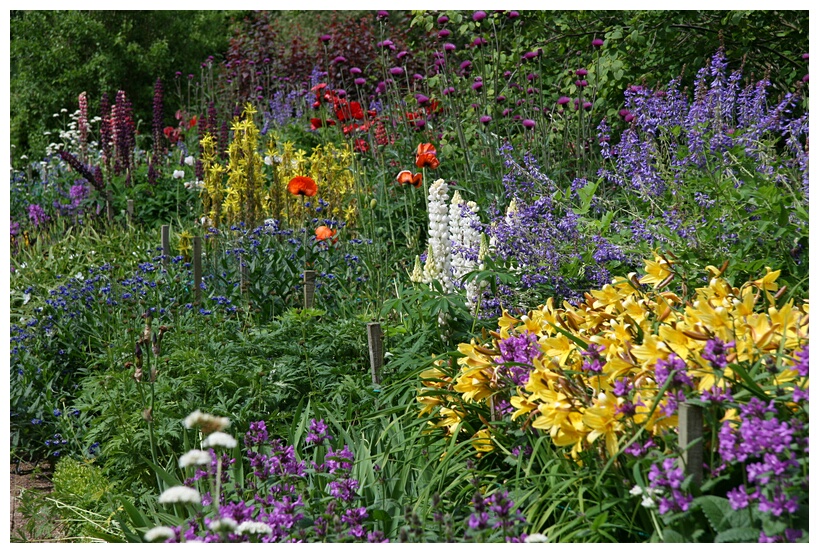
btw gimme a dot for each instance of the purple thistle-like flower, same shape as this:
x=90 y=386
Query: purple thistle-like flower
x=528 y=123
x=479 y=15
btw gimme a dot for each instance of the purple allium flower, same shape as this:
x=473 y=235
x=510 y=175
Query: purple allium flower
x=477 y=85
x=513 y=14
x=449 y=47
x=444 y=33
x=325 y=38
x=465 y=65
x=563 y=100
x=582 y=72
x=485 y=119
x=442 y=19
x=597 y=43
x=396 y=71
x=528 y=123
x=529 y=55
x=479 y=41
x=360 y=81
x=479 y=15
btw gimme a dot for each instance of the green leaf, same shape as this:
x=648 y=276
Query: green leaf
x=672 y=536
x=735 y=535
x=716 y=510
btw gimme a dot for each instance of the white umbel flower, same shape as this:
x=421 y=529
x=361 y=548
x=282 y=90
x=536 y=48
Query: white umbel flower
x=208 y=423
x=253 y=527
x=536 y=538
x=219 y=439
x=226 y=524
x=180 y=494
x=160 y=533
x=194 y=457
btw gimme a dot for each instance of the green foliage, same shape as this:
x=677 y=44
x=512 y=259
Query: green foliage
x=58 y=54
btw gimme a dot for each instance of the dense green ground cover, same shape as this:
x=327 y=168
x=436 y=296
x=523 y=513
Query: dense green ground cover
x=574 y=228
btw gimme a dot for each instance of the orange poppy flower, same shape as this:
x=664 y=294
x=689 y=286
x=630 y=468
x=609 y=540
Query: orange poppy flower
x=406 y=177
x=426 y=156
x=323 y=233
x=304 y=186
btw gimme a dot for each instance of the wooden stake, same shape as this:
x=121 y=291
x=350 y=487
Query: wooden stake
x=376 y=351
x=309 y=288
x=130 y=212
x=109 y=205
x=197 y=269
x=690 y=440
x=166 y=245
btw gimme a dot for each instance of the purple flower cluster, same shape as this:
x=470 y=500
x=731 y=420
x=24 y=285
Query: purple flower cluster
x=495 y=512
x=715 y=351
x=594 y=358
x=318 y=432
x=768 y=447
x=37 y=215
x=669 y=478
x=523 y=348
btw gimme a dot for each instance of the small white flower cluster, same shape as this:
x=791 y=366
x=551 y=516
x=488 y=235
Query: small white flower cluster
x=253 y=527
x=180 y=494
x=439 y=251
x=219 y=439
x=194 y=457
x=160 y=533
x=649 y=494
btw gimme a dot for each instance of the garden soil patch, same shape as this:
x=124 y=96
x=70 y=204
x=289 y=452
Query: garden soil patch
x=26 y=477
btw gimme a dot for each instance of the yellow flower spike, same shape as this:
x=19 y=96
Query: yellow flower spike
x=657 y=271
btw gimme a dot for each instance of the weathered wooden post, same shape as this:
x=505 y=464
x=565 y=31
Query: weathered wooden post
x=309 y=288
x=109 y=205
x=376 y=351
x=690 y=440
x=197 y=269
x=166 y=245
x=130 y=211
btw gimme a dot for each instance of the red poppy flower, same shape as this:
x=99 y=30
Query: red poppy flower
x=304 y=186
x=316 y=123
x=361 y=145
x=323 y=233
x=426 y=156
x=407 y=177
x=192 y=122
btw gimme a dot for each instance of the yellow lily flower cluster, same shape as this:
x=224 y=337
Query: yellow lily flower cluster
x=628 y=329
